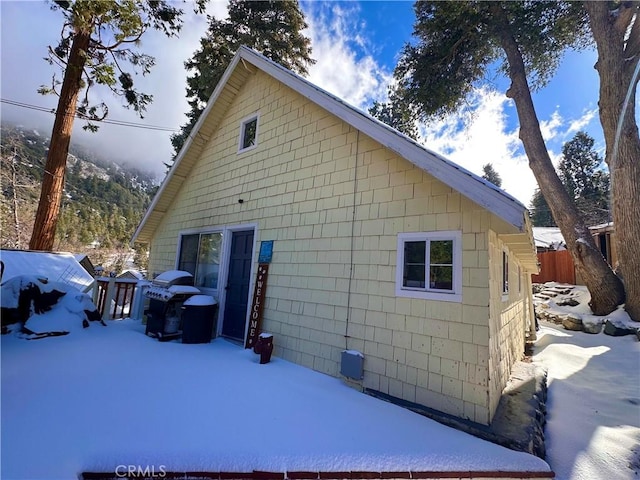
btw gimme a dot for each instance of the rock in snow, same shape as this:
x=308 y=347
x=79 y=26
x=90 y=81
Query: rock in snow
x=617 y=330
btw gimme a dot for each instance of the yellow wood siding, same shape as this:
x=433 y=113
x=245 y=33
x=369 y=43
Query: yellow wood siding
x=331 y=197
x=509 y=318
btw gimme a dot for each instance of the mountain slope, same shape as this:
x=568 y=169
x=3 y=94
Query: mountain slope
x=103 y=202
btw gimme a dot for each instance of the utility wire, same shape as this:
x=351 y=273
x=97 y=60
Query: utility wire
x=121 y=123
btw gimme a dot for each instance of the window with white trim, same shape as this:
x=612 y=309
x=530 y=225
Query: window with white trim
x=200 y=255
x=519 y=280
x=505 y=273
x=248 y=133
x=429 y=265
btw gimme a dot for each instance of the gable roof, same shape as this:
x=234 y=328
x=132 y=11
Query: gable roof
x=244 y=64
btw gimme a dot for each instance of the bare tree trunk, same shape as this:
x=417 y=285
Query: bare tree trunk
x=14 y=185
x=606 y=289
x=617 y=60
x=44 y=227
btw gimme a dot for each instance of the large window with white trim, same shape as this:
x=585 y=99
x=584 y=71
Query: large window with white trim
x=200 y=255
x=429 y=265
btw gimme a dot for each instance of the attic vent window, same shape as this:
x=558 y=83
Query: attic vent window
x=248 y=133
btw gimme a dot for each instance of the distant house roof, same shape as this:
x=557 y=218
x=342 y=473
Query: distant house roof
x=548 y=237
x=245 y=63
x=133 y=274
x=59 y=267
x=601 y=228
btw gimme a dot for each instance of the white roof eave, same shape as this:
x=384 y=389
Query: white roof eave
x=473 y=187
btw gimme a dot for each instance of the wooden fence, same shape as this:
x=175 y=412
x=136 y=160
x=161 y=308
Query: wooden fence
x=555 y=266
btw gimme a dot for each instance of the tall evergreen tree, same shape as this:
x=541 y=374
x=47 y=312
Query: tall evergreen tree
x=98 y=37
x=491 y=175
x=585 y=181
x=396 y=114
x=271 y=27
x=459 y=42
x=582 y=175
x=540 y=211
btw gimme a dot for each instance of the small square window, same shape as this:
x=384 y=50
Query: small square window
x=248 y=134
x=429 y=266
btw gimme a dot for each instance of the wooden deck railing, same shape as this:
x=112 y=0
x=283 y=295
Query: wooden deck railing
x=114 y=297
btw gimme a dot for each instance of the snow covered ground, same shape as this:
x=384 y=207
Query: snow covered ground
x=593 y=405
x=108 y=396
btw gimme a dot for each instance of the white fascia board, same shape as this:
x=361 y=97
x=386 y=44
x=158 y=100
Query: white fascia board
x=475 y=188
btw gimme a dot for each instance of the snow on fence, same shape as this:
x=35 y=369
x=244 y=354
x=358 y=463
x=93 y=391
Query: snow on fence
x=119 y=297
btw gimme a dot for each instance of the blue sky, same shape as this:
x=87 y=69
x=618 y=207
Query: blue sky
x=356 y=45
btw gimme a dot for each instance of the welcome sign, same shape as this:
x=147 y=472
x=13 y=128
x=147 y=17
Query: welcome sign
x=257 y=305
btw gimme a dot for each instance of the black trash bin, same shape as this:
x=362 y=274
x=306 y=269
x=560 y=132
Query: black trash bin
x=198 y=319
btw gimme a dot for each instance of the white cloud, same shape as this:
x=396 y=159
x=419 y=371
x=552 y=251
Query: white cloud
x=550 y=128
x=167 y=83
x=345 y=67
x=23 y=71
x=580 y=123
x=477 y=135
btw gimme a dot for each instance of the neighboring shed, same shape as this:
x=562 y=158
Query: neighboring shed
x=53 y=266
x=369 y=243
x=604 y=235
x=84 y=260
x=548 y=239
x=132 y=275
x=556 y=263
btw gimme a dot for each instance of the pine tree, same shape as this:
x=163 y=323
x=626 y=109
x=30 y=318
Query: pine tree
x=491 y=175
x=582 y=175
x=271 y=27
x=540 y=211
x=396 y=114
x=98 y=37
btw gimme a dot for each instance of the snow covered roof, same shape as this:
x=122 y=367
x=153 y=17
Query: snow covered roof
x=134 y=274
x=548 y=237
x=601 y=228
x=59 y=267
x=245 y=63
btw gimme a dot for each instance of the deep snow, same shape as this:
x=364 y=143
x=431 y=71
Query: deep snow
x=109 y=396
x=593 y=405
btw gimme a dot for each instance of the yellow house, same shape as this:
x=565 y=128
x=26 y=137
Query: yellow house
x=389 y=264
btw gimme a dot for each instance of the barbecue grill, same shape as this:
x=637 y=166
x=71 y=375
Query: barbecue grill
x=166 y=294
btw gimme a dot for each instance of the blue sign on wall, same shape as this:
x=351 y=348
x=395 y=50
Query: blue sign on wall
x=266 y=251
